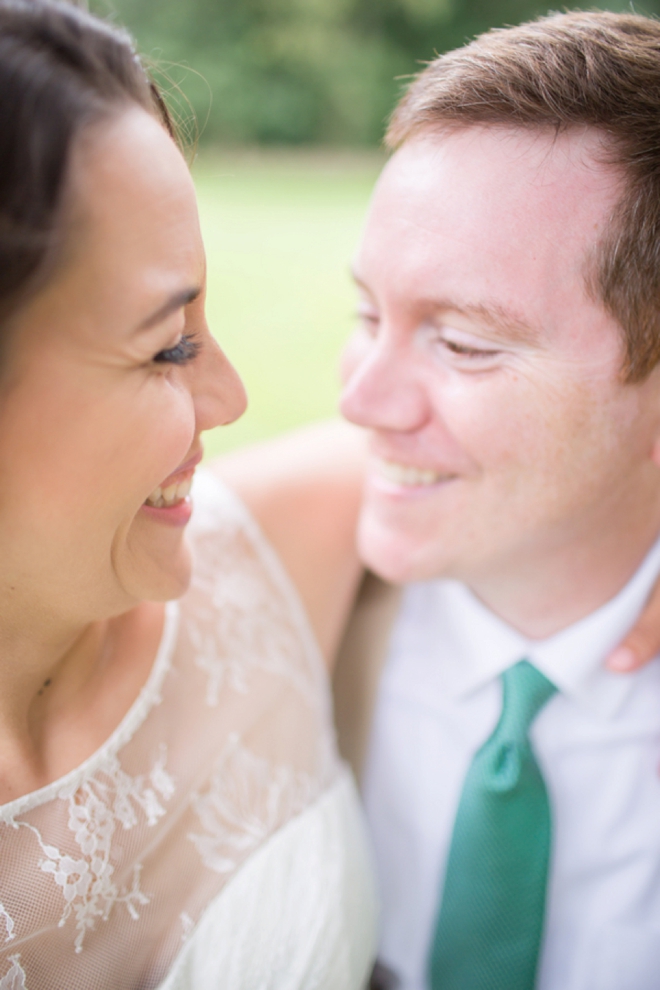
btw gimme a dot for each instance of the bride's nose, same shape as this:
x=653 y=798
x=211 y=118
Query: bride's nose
x=218 y=392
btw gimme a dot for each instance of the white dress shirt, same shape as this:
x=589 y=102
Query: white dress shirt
x=597 y=742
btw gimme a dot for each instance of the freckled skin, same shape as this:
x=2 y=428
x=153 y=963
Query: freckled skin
x=554 y=492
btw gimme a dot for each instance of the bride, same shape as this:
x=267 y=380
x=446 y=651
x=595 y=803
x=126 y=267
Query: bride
x=173 y=812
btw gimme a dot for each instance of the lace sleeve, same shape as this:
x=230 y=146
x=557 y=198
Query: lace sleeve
x=218 y=510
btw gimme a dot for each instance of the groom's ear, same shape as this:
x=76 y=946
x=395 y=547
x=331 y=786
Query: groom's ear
x=655 y=446
x=651 y=388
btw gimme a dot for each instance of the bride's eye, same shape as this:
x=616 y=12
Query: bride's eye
x=186 y=350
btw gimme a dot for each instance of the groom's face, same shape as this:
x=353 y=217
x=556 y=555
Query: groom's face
x=488 y=375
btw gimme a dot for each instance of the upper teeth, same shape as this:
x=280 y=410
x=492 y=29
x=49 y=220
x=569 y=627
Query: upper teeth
x=161 y=497
x=403 y=474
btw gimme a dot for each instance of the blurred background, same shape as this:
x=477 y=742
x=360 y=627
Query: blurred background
x=290 y=99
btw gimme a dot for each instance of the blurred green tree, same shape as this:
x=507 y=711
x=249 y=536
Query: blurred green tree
x=305 y=71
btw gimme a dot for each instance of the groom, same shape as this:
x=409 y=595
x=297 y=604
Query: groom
x=506 y=366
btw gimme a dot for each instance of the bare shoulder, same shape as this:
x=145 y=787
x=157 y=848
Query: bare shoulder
x=304 y=489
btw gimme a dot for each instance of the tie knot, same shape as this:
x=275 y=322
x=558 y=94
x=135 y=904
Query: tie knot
x=525 y=692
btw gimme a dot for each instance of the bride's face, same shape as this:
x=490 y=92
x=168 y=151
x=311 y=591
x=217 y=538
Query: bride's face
x=108 y=377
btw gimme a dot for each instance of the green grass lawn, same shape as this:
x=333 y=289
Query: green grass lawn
x=280 y=229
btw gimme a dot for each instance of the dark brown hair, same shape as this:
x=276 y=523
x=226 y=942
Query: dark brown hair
x=60 y=70
x=596 y=69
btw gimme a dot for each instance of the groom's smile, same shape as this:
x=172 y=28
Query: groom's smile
x=488 y=375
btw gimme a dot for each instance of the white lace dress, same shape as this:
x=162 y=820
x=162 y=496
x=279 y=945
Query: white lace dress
x=215 y=841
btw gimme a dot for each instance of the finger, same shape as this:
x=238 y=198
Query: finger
x=642 y=642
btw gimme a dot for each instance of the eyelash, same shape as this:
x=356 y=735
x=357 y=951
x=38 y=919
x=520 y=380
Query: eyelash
x=469 y=352
x=186 y=350
x=371 y=320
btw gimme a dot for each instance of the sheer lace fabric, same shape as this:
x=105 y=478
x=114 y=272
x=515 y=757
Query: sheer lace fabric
x=215 y=836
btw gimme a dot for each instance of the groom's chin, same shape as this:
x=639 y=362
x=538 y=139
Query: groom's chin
x=393 y=554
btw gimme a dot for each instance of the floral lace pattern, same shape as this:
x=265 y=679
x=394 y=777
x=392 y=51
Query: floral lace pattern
x=246 y=801
x=96 y=809
x=9 y=923
x=228 y=643
x=14 y=978
x=107 y=872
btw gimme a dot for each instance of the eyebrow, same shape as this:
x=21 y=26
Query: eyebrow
x=505 y=324
x=177 y=301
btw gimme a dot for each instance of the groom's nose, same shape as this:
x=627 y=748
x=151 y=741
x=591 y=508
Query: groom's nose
x=382 y=387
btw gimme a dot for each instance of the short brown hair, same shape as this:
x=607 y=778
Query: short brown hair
x=596 y=69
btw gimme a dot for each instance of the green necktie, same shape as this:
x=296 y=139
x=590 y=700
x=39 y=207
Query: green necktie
x=490 y=923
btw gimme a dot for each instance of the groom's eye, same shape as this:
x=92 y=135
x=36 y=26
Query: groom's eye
x=466 y=351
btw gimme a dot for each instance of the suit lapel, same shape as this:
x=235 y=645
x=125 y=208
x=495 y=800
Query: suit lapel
x=359 y=666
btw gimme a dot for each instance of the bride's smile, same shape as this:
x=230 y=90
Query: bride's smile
x=173 y=494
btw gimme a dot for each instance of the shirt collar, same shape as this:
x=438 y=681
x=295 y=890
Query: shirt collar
x=483 y=646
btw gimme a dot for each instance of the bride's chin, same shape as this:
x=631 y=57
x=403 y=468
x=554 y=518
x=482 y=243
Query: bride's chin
x=156 y=569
